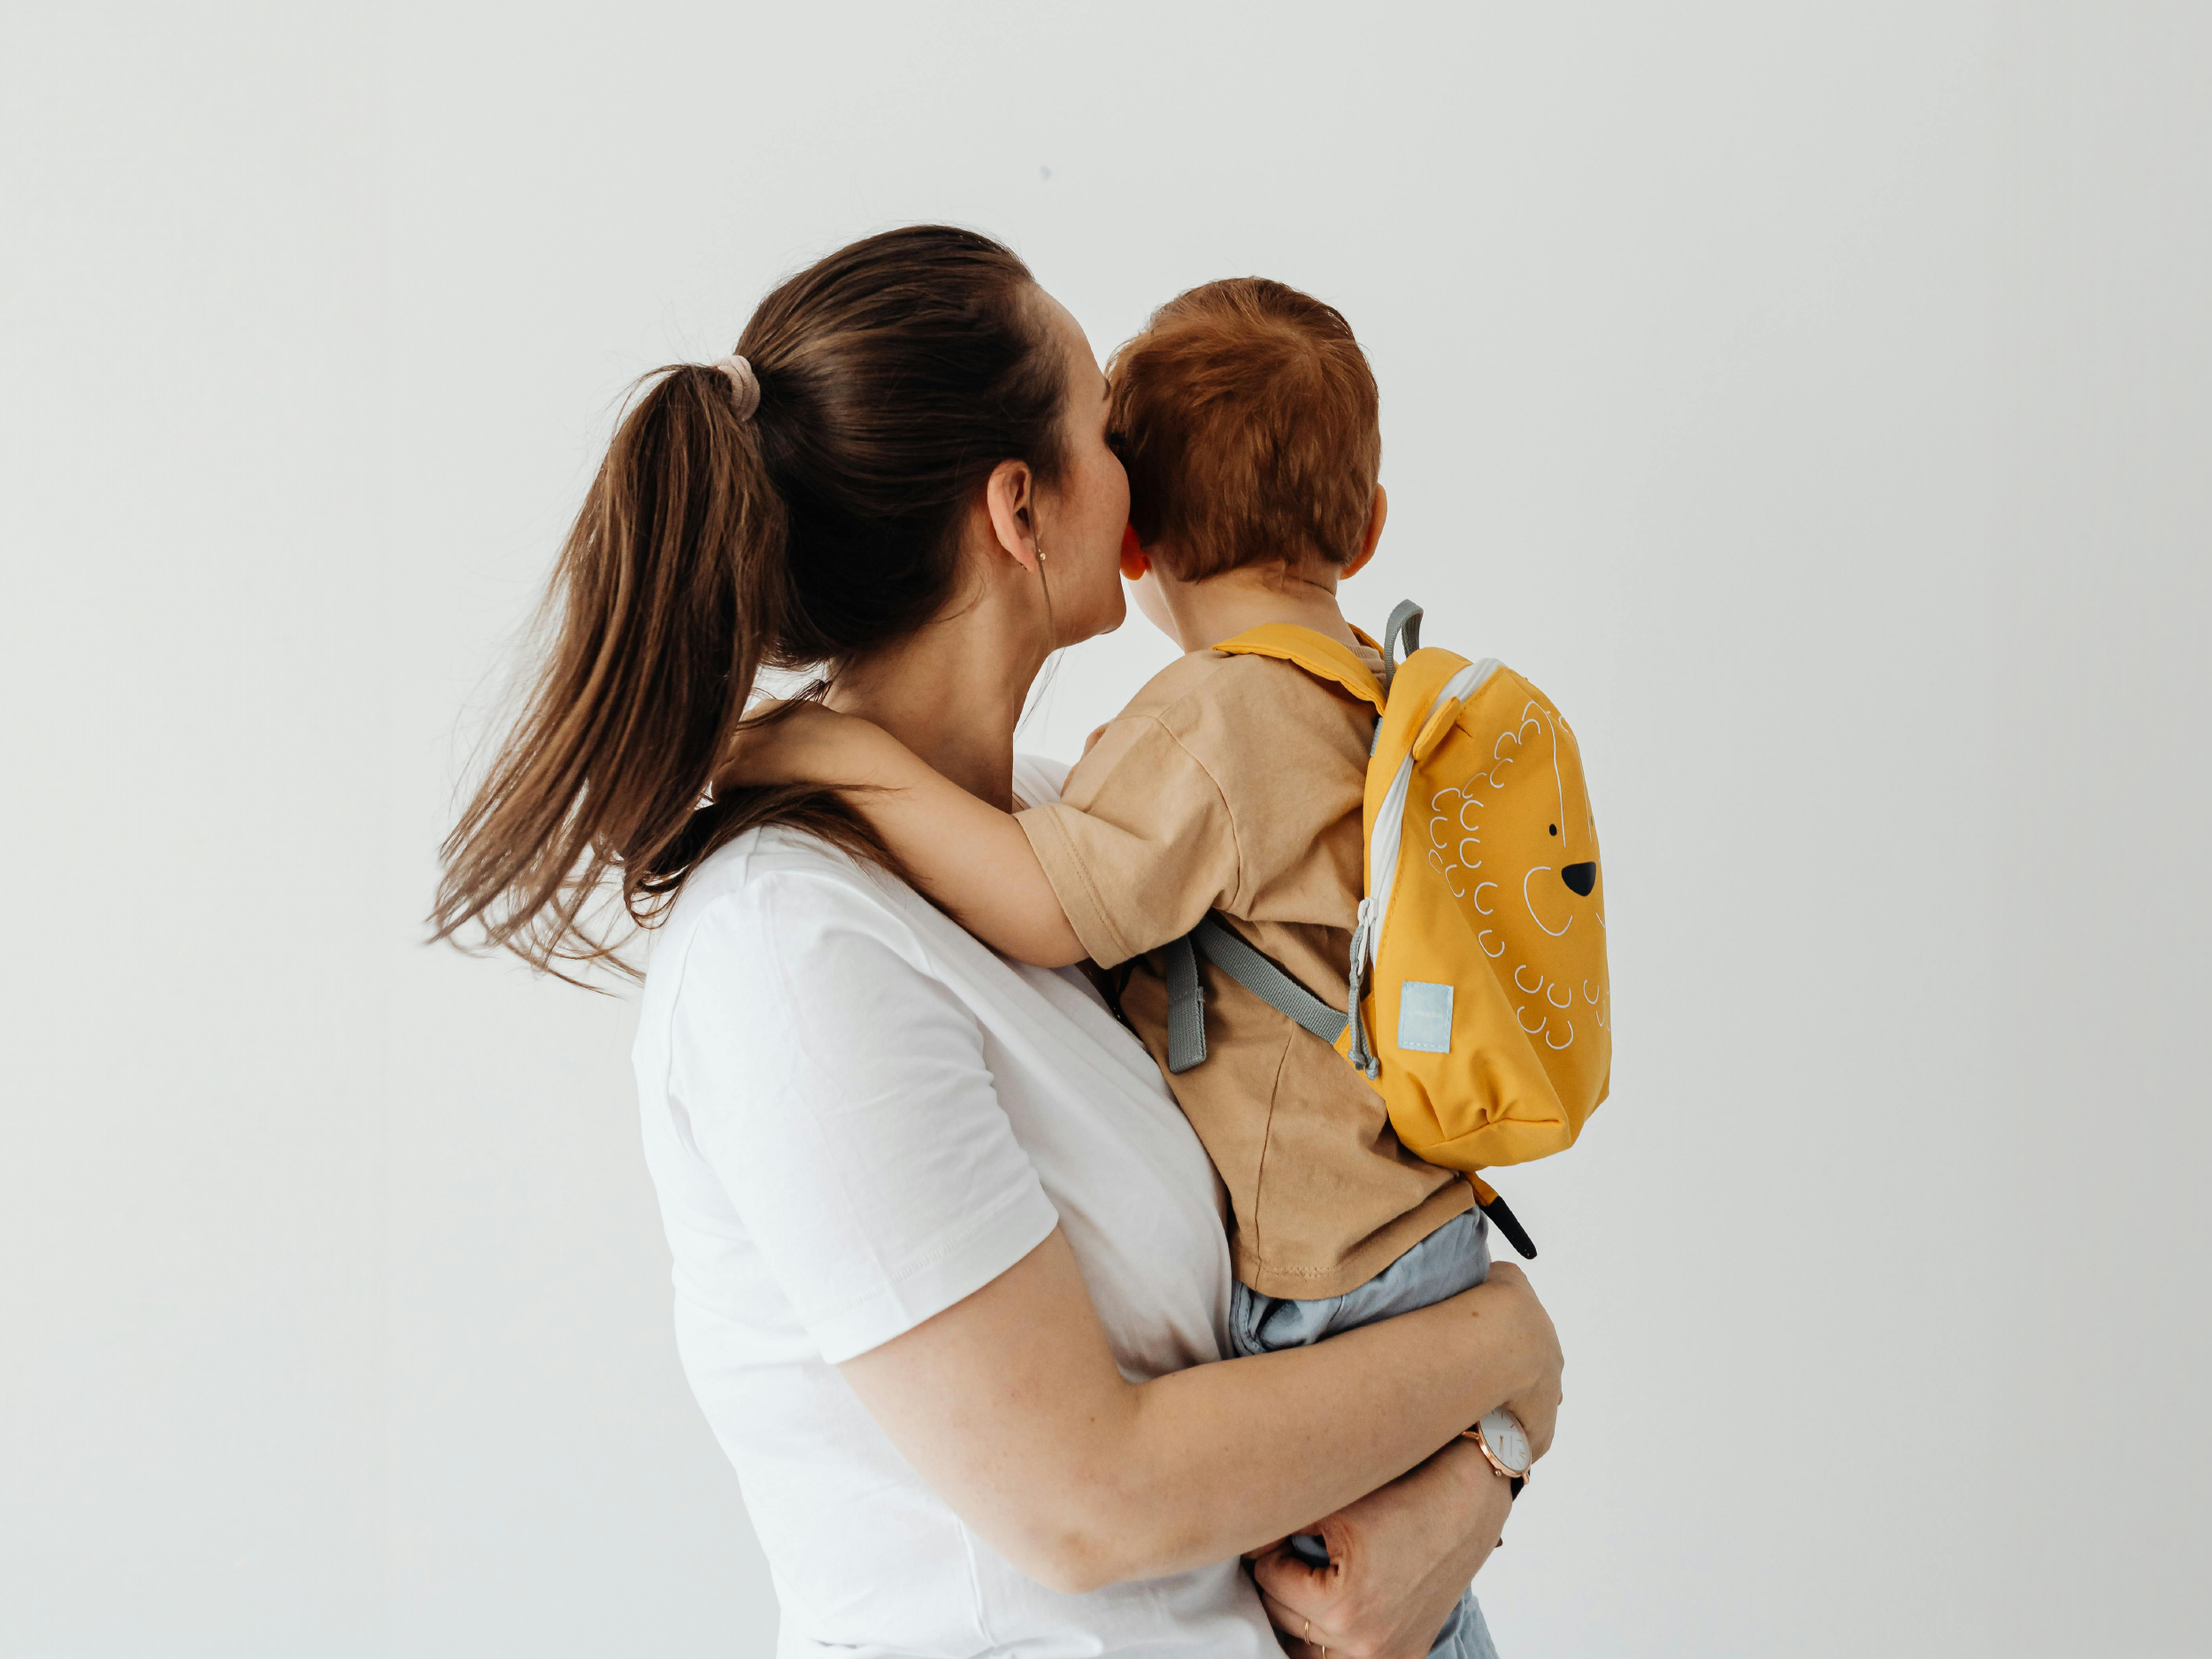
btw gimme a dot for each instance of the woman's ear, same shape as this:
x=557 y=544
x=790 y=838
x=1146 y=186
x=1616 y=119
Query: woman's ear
x=1376 y=514
x=1134 y=561
x=1010 y=497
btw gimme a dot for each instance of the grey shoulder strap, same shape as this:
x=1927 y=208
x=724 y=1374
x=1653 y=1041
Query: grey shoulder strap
x=1186 y=997
x=1405 y=619
x=1186 y=1008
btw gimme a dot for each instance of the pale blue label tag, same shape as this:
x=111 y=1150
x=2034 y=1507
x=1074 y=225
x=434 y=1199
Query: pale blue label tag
x=1425 y=1016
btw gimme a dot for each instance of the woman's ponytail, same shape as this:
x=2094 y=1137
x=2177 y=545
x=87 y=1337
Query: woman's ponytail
x=670 y=579
x=718 y=539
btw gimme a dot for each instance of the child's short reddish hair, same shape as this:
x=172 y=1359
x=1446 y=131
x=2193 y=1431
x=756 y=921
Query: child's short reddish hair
x=1249 y=421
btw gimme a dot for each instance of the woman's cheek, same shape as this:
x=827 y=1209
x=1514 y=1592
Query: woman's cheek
x=1102 y=604
x=1111 y=604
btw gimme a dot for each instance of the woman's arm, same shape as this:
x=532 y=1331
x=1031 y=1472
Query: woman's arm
x=1009 y=1405
x=965 y=853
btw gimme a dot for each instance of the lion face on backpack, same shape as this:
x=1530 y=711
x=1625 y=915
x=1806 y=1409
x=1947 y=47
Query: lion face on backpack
x=1516 y=842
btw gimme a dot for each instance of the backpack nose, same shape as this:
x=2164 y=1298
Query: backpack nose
x=1581 y=877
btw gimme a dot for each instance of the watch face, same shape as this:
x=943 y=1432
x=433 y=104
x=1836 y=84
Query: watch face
x=1503 y=1432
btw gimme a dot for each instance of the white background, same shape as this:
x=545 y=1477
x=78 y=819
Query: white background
x=1813 y=399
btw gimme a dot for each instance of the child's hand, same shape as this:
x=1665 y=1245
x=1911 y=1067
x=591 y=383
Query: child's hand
x=971 y=857
x=806 y=743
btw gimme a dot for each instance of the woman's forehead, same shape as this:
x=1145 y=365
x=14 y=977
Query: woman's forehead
x=1061 y=321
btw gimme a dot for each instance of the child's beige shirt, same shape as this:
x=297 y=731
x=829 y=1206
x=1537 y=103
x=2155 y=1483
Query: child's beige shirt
x=1233 y=784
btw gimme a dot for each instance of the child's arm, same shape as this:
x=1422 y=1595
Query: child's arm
x=967 y=855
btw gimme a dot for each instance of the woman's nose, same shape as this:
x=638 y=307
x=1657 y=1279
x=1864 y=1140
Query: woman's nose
x=1581 y=877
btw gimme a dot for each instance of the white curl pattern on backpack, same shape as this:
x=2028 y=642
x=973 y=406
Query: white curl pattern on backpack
x=1455 y=834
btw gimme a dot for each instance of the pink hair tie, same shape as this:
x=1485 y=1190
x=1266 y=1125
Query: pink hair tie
x=744 y=385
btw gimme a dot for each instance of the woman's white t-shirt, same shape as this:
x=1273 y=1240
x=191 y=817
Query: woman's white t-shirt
x=855 y=1115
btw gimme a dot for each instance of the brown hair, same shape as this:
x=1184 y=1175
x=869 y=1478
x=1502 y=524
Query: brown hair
x=893 y=376
x=1249 y=421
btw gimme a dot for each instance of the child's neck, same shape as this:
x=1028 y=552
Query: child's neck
x=1204 y=613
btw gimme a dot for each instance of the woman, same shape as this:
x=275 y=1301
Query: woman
x=951 y=1283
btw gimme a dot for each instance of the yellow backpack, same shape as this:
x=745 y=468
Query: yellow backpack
x=1477 y=971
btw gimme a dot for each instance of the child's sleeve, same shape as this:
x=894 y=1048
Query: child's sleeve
x=1141 y=844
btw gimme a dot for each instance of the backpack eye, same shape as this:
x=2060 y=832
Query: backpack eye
x=1553 y=827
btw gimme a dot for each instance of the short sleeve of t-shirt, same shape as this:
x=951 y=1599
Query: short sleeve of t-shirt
x=1143 y=844
x=840 y=1093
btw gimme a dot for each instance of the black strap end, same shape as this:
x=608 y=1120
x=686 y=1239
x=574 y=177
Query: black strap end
x=1506 y=1221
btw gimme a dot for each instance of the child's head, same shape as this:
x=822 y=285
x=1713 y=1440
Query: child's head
x=1247 y=418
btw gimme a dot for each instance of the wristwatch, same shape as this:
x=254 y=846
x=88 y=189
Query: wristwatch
x=1501 y=1440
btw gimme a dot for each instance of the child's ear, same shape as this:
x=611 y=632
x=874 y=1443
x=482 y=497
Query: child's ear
x=1376 y=514
x=1134 y=562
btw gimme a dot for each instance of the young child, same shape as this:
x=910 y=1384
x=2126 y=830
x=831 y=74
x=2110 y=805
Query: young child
x=1247 y=417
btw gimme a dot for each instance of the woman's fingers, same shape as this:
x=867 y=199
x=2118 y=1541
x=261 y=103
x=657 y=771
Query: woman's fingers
x=1400 y=1559
x=1303 y=1637
x=1538 y=1410
x=1536 y=1404
x=1283 y=1574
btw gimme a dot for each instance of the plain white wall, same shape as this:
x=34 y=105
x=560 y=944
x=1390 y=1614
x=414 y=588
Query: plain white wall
x=1814 y=400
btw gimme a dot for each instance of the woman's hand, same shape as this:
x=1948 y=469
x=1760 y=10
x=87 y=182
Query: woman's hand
x=1398 y=1560
x=1536 y=1405
x=1400 y=1556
